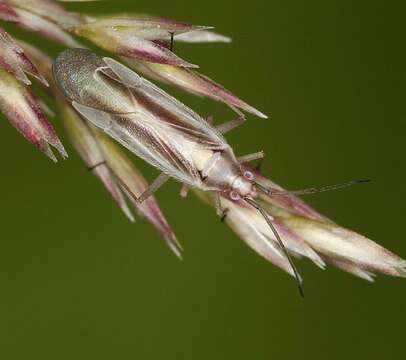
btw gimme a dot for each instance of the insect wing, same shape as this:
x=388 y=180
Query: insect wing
x=168 y=109
x=145 y=141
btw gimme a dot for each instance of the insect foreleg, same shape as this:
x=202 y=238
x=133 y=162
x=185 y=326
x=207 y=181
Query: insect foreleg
x=156 y=184
x=251 y=157
x=220 y=211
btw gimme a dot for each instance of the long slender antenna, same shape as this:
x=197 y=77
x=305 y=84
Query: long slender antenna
x=278 y=238
x=312 y=190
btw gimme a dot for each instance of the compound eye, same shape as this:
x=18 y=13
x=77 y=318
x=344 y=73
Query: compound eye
x=235 y=196
x=249 y=175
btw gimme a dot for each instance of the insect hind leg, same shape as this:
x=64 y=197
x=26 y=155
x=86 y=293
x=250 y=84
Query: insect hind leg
x=156 y=184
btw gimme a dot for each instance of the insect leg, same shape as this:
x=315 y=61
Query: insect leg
x=230 y=125
x=223 y=217
x=220 y=211
x=251 y=157
x=156 y=184
x=217 y=204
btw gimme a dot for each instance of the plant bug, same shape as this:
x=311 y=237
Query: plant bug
x=161 y=130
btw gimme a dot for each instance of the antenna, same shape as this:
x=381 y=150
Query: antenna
x=312 y=190
x=278 y=238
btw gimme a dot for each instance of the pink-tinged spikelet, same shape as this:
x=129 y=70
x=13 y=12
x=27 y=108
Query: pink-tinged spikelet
x=22 y=110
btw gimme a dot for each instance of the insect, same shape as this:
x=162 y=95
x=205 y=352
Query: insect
x=159 y=129
x=153 y=125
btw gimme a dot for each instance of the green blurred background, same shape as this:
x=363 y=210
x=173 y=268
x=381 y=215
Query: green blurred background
x=78 y=281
